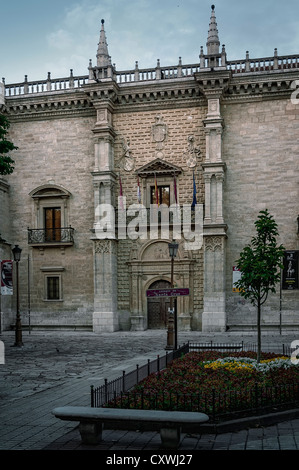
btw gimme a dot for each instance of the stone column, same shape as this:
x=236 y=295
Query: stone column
x=214 y=314
x=212 y=84
x=105 y=316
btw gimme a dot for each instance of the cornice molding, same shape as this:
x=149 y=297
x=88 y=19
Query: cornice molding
x=152 y=95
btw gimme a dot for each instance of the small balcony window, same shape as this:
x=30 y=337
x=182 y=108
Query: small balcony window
x=53 y=224
x=63 y=236
x=51 y=213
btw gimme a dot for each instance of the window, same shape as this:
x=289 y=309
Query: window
x=52 y=283
x=162 y=194
x=163 y=174
x=52 y=224
x=53 y=288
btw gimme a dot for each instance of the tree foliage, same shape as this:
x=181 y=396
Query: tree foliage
x=259 y=264
x=6 y=162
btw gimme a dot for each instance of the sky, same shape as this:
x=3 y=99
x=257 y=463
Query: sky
x=41 y=36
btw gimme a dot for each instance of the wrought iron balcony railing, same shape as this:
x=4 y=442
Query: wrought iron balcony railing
x=51 y=236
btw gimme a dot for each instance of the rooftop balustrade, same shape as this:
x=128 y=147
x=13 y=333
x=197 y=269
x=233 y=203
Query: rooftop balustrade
x=247 y=65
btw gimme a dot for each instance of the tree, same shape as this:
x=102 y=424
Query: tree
x=6 y=163
x=259 y=264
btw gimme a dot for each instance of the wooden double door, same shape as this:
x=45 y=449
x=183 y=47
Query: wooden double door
x=157 y=307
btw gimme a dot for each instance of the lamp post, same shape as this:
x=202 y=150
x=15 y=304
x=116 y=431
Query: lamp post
x=172 y=318
x=18 y=336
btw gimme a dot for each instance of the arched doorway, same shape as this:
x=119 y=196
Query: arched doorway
x=157 y=307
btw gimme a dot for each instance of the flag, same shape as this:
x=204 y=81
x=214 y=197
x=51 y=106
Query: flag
x=121 y=203
x=175 y=190
x=194 y=202
x=156 y=191
x=138 y=192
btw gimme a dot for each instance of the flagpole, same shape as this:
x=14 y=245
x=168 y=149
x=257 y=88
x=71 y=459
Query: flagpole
x=138 y=191
x=156 y=190
x=121 y=193
x=175 y=189
x=194 y=201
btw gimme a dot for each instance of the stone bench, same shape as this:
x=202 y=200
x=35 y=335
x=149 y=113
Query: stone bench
x=169 y=423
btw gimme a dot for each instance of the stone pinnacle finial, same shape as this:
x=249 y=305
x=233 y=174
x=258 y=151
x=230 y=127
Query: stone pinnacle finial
x=103 y=58
x=213 y=42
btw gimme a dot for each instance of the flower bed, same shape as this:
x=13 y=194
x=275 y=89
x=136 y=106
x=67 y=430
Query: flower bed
x=215 y=383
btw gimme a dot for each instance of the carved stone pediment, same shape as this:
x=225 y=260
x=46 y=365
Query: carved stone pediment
x=156 y=251
x=158 y=167
x=49 y=190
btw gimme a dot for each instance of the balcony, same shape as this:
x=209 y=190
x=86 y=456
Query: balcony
x=51 y=237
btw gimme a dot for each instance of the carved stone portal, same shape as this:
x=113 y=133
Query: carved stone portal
x=149 y=264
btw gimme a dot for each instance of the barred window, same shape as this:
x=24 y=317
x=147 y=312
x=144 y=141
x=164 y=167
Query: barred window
x=53 y=288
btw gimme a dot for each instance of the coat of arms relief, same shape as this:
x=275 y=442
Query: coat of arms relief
x=159 y=134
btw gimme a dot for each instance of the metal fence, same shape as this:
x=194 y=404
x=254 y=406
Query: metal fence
x=101 y=395
x=223 y=347
x=218 y=405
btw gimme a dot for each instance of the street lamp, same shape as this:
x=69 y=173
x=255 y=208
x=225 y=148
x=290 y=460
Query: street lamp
x=18 y=336
x=172 y=318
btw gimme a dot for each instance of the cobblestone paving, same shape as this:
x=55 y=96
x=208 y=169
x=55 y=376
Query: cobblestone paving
x=57 y=368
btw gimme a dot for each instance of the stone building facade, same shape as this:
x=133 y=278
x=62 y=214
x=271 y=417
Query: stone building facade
x=110 y=139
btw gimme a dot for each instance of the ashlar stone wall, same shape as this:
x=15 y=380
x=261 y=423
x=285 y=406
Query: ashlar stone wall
x=184 y=127
x=54 y=152
x=261 y=149
x=6 y=306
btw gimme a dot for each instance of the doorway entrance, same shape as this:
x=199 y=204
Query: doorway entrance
x=157 y=307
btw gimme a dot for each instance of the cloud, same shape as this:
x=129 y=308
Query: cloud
x=65 y=34
x=136 y=30
x=60 y=39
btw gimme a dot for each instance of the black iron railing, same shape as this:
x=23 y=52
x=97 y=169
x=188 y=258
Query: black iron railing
x=218 y=405
x=40 y=236
x=101 y=395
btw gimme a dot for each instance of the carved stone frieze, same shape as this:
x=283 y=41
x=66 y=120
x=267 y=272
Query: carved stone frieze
x=105 y=246
x=214 y=243
x=159 y=134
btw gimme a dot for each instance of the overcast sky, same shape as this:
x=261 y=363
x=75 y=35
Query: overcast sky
x=40 y=36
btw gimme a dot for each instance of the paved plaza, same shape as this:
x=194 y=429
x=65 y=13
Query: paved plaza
x=57 y=368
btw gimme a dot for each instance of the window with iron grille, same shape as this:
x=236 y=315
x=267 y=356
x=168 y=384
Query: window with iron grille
x=53 y=288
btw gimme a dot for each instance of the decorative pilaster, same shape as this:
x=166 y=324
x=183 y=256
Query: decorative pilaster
x=214 y=315
x=105 y=316
x=213 y=79
x=102 y=92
